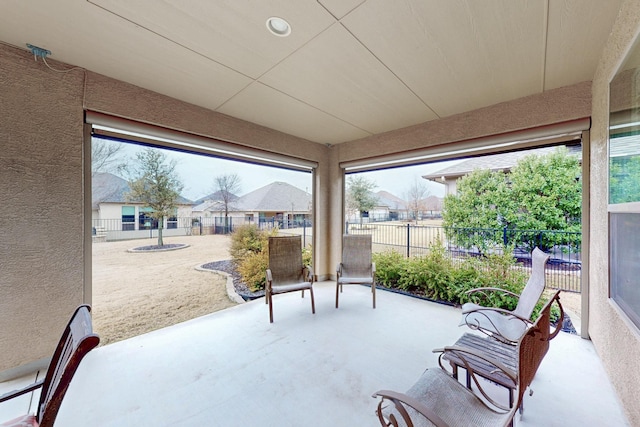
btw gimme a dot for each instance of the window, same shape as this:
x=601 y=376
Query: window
x=145 y=221
x=128 y=218
x=172 y=221
x=624 y=187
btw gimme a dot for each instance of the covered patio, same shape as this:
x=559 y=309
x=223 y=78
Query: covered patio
x=233 y=368
x=358 y=85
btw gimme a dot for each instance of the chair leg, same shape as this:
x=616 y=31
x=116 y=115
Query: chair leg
x=373 y=292
x=270 y=302
x=313 y=304
x=337 y=293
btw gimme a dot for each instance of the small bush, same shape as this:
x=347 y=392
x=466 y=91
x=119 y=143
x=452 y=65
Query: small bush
x=389 y=267
x=437 y=276
x=247 y=239
x=253 y=269
x=249 y=252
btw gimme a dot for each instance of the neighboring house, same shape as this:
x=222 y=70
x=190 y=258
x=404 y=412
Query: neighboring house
x=389 y=207
x=495 y=162
x=432 y=207
x=212 y=205
x=279 y=203
x=114 y=217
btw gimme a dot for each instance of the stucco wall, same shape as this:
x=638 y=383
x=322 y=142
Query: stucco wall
x=554 y=106
x=41 y=186
x=616 y=341
x=42 y=250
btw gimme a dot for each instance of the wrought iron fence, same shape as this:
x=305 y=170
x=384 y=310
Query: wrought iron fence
x=563 y=269
x=107 y=230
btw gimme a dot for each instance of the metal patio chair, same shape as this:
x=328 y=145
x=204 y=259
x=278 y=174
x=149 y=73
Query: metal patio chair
x=505 y=325
x=438 y=399
x=356 y=267
x=286 y=273
x=76 y=341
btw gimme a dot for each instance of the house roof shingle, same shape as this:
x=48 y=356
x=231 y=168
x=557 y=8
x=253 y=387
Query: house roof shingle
x=275 y=197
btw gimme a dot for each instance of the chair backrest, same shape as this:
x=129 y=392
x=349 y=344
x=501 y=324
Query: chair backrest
x=285 y=259
x=76 y=341
x=356 y=254
x=534 y=344
x=535 y=285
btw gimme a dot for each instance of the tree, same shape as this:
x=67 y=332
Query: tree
x=624 y=176
x=156 y=185
x=416 y=196
x=360 y=195
x=106 y=156
x=540 y=193
x=226 y=186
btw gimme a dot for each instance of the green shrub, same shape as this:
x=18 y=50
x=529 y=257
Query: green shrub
x=249 y=252
x=437 y=276
x=247 y=239
x=253 y=269
x=389 y=267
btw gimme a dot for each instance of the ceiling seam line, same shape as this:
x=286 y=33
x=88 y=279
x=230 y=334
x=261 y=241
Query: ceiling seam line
x=545 y=46
x=389 y=69
x=316 y=108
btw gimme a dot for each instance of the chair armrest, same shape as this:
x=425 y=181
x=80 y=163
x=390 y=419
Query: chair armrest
x=485 y=291
x=460 y=351
x=269 y=277
x=15 y=393
x=494 y=329
x=308 y=270
x=497 y=310
x=400 y=400
x=339 y=269
x=464 y=354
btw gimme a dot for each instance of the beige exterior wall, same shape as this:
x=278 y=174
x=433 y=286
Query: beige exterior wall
x=43 y=254
x=616 y=340
x=41 y=185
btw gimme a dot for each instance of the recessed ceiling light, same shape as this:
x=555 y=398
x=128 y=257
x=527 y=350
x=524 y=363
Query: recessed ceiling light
x=278 y=26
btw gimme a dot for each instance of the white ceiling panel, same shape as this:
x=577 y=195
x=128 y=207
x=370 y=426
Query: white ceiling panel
x=578 y=30
x=463 y=56
x=133 y=55
x=348 y=82
x=268 y=107
x=230 y=32
x=350 y=68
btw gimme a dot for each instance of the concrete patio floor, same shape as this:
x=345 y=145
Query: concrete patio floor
x=234 y=368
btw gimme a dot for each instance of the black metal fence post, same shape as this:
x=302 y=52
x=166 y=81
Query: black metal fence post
x=408 y=240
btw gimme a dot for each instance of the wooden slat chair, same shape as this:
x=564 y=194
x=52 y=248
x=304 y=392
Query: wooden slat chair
x=438 y=399
x=76 y=341
x=504 y=352
x=504 y=325
x=356 y=267
x=286 y=273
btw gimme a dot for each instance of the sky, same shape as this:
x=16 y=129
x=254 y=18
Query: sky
x=197 y=173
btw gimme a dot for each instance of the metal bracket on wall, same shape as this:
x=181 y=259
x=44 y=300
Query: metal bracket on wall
x=38 y=51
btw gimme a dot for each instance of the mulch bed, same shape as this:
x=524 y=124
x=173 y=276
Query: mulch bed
x=229 y=267
x=158 y=248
